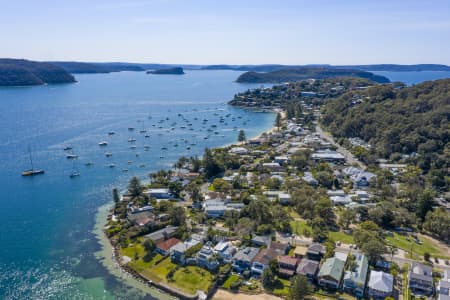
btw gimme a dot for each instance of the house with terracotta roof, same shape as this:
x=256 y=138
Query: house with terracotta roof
x=287 y=265
x=164 y=247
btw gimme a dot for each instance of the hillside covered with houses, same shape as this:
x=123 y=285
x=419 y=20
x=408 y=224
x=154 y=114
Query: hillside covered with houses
x=291 y=213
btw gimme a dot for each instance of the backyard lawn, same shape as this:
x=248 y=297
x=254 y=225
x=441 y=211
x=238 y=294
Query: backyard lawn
x=232 y=278
x=192 y=278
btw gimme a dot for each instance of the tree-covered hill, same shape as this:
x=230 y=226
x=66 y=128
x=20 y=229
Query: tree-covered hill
x=17 y=72
x=399 y=123
x=75 y=67
x=296 y=74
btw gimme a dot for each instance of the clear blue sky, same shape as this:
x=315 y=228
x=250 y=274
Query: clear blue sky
x=229 y=31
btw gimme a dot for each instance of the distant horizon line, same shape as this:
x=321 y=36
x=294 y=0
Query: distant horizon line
x=226 y=64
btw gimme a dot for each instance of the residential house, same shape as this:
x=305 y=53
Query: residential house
x=262 y=260
x=359 y=177
x=300 y=251
x=206 y=258
x=162 y=234
x=273 y=166
x=309 y=178
x=355 y=279
x=315 y=251
x=282 y=159
x=243 y=258
x=159 y=194
x=216 y=208
x=443 y=287
x=261 y=240
x=309 y=268
x=380 y=285
x=420 y=279
x=280 y=248
x=328 y=155
x=163 y=247
x=287 y=266
x=330 y=274
x=238 y=150
x=225 y=251
x=177 y=252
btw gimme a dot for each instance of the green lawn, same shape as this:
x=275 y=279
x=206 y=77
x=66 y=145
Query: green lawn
x=232 y=278
x=298 y=227
x=192 y=278
x=140 y=265
x=131 y=251
x=401 y=241
x=160 y=271
x=342 y=237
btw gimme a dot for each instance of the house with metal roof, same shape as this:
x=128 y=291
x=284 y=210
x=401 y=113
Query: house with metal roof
x=243 y=259
x=330 y=273
x=162 y=234
x=308 y=267
x=443 y=287
x=420 y=279
x=380 y=285
x=262 y=260
x=315 y=251
x=355 y=278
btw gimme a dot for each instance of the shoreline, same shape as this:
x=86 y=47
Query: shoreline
x=109 y=256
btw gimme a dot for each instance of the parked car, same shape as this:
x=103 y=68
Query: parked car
x=447 y=262
x=436 y=260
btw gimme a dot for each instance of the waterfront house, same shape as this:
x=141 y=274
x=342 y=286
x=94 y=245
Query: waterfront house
x=380 y=285
x=177 y=252
x=355 y=278
x=262 y=260
x=163 y=247
x=225 y=251
x=162 y=234
x=420 y=279
x=238 y=150
x=206 y=258
x=287 y=266
x=308 y=268
x=443 y=287
x=315 y=251
x=330 y=274
x=243 y=259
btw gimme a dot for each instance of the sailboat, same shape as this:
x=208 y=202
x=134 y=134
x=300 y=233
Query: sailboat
x=32 y=171
x=75 y=172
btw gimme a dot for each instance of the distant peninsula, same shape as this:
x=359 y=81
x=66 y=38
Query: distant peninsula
x=21 y=72
x=296 y=74
x=167 y=71
x=76 y=67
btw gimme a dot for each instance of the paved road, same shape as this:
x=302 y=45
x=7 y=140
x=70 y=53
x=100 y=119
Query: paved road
x=348 y=155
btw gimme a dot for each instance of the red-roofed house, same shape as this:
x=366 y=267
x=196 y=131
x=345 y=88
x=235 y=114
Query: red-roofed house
x=287 y=265
x=164 y=247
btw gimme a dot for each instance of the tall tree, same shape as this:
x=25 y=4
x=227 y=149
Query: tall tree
x=241 y=137
x=278 y=121
x=116 y=196
x=134 y=187
x=300 y=288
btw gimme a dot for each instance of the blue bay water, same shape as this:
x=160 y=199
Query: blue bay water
x=46 y=241
x=414 y=77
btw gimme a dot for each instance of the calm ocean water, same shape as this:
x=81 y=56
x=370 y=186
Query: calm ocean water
x=46 y=244
x=46 y=241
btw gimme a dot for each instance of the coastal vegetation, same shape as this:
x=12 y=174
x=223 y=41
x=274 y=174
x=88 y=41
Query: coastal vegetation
x=20 y=72
x=296 y=74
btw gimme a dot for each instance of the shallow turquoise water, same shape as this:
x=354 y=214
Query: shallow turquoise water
x=46 y=244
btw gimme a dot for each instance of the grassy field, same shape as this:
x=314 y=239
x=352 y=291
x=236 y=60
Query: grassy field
x=342 y=237
x=428 y=245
